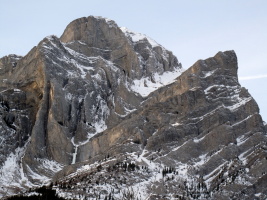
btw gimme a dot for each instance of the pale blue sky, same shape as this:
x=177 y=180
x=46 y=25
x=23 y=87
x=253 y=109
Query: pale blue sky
x=192 y=29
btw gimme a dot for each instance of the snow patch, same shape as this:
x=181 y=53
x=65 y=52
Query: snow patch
x=17 y=90
x=52 y=165
x=234 y=93
x=241 y=140
x=197 y=140
x=145 y=85
x=239 y=103
x=202 y=161
x=69 y=96
x=258 y=194
x=75 y=151
x=208 y=73
x=110 y=22
x=209 y=177
x=242 y=181
x=100 y=125
x=136 y=37
x=12 y=175
x=176 y=124
x=242 y=120
x=43 y=179
x=244 y=155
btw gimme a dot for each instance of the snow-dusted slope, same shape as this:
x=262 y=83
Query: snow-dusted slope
x=66 y=91
x=146 y=85
x=138 y=37
x=148 y=51
x=198 y=138
x=102 y=113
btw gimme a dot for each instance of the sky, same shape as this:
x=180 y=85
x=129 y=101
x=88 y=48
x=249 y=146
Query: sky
x=191 y=29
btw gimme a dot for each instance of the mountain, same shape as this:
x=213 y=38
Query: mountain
x=106 y=113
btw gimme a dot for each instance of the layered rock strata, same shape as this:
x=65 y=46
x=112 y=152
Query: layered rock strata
x=83 y=111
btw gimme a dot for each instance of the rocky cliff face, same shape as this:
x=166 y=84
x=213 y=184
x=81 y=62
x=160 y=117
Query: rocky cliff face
x=83 y=110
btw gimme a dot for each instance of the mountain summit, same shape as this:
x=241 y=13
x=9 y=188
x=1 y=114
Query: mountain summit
x=104 y=112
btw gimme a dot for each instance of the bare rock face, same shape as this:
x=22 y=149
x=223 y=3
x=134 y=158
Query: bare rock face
x=63 y=92
x=200 y=137
x=95 y=36
x=83 y=110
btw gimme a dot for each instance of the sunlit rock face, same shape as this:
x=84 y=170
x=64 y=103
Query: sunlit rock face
x=105 y=112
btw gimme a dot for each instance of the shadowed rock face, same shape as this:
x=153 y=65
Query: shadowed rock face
x=70 y=104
